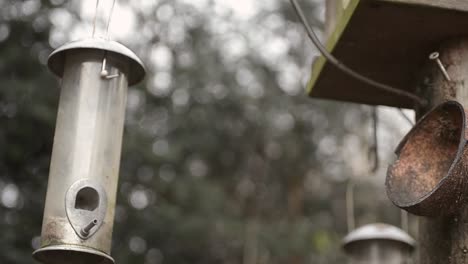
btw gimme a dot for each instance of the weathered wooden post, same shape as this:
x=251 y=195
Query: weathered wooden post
x=445 y=239
x=430 y=176
x=419 y=47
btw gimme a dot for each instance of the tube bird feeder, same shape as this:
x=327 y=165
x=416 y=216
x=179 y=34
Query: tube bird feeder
x=81 y=192
x=378 y=243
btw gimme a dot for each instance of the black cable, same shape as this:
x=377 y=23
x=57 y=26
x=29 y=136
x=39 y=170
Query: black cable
x=330 y=58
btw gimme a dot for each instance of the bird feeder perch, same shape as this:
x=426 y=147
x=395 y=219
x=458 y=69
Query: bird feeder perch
x=378 y=243
x=81 y=193
x=386 y=40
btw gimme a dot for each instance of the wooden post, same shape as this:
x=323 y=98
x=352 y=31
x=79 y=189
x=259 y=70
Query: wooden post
x=445 y=239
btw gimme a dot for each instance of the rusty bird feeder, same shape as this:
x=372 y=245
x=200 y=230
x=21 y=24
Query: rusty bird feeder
x=81 y=193
x=378 y=243
x=428 y=178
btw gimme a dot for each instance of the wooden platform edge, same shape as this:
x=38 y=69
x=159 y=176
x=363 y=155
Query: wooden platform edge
x=456 y=5
x=319 y=63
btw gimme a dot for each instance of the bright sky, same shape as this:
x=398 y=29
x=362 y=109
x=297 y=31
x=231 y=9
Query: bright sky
x=123 y=20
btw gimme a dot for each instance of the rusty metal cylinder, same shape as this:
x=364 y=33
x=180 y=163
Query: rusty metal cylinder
x=378 y=243
x=81 y=193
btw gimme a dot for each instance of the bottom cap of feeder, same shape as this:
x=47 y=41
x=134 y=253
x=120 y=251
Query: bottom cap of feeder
x=71 y=254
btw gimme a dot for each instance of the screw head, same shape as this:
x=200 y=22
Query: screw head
x=434 y=56
x=104 y=73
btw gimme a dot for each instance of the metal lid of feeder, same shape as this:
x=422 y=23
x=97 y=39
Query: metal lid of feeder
x=386 y=40
x=137 y=70
x=378 y=231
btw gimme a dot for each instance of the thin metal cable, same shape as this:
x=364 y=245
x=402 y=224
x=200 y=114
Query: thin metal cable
x=405 y=117
x=330 y=58
x=95 y=17
x=404 y=221
x=374 y=149
x=110 y=19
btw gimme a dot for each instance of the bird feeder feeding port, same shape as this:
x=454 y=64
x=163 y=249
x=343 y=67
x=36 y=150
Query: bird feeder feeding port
x=81 y=192
x=378 y=243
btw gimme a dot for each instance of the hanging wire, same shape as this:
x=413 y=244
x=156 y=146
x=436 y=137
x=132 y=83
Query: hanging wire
x=404 y=221
x=330 y=58
x=350 y=220
x=95 y=17
x=405 y=117
x=110 y=18
x=104 y=72
x=374 y=149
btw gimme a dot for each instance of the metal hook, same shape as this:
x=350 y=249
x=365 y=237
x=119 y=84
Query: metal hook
x=104 y=72
x=435 y=56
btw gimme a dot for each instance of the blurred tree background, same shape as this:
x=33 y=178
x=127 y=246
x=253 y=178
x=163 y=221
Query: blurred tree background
x=225 y=159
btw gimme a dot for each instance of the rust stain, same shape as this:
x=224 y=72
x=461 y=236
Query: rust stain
x=53 y=233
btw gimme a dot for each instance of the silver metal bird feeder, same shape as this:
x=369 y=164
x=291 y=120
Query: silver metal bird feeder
x=81 y=193
x=378 y=243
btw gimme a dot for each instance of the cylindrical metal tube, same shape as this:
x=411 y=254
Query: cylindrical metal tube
x=81 y=193
x=379 y=251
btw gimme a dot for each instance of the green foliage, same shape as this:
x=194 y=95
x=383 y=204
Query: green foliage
x=28 y=102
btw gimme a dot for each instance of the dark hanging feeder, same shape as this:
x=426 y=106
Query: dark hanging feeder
x=378 y=243
x=81 y=193
x=429 y=176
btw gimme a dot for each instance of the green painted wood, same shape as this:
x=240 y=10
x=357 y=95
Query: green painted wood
x=333 y=39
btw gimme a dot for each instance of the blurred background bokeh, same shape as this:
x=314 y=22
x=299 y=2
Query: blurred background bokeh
x=225 y=159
